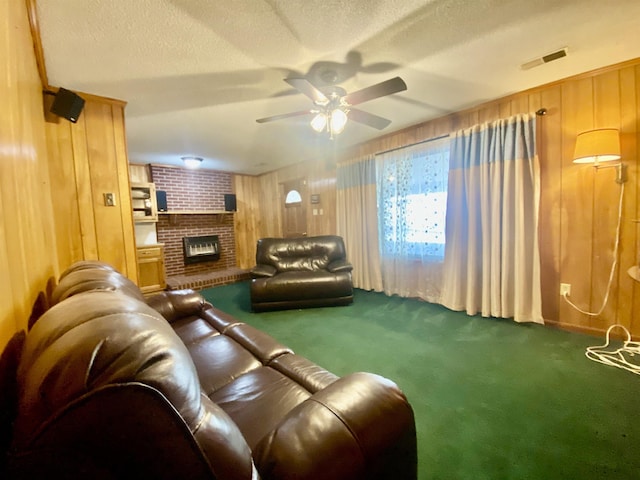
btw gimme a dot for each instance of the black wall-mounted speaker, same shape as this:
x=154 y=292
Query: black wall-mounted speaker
x=161 y=199
x=67 y=104
x=229 y=202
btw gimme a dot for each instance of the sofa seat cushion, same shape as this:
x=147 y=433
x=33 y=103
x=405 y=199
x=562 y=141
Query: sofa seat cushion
x=259 y=400
x=219 y=360
x=301 y=285
x=223 y=349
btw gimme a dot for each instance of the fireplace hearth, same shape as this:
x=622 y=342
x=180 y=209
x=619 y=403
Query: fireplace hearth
x=204 y=248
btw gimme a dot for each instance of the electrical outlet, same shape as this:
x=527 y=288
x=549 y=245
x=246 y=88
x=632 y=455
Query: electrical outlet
x=565 y=289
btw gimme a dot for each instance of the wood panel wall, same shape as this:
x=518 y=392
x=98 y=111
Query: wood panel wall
x=247 y=219
x=28 y=258
x=52 y=178
x=578 y=205
x=86 y=160
x=260 y=201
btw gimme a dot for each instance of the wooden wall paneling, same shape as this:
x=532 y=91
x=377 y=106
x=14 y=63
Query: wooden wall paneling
x=628 y=233
x=63 y=191
x=520 y=104
x=576 y=261
x=88 y=159
x=458 y=122
x=27 y=239
x=9 y=309
x=247 y=219
x=549 y=220
x=270 y=205
x=16 y=177
x=103 y=169
x=633 y=189
x=472 y=118
x=124 y=193
x=321 y=181
x=443 y=126
x=425 y=131
x=606 y=195
x=84 y=191
x=504 y=109
x=489 y=113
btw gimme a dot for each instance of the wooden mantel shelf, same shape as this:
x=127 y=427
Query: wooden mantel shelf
x=174 y=215
x=195 y=212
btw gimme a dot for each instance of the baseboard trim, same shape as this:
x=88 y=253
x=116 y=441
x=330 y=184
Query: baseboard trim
x=594 y=332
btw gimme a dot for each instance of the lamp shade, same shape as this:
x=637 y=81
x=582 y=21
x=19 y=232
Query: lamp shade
x=338 y=120
x=319 y=122
x=594 y=146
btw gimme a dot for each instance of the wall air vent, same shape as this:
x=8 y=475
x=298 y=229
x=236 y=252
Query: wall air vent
x=549 y=57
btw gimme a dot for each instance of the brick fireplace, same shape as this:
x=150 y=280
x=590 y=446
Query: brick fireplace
x=194 y=190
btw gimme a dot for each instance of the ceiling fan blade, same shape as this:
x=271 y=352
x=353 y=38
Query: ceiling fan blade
x=284 y=115
x=306 y=87
x=368 y=118
x=388 y=87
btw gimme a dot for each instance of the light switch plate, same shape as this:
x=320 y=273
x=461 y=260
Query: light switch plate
x=109 y=199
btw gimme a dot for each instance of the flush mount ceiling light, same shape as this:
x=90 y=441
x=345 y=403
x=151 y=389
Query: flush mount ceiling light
x=191 y=162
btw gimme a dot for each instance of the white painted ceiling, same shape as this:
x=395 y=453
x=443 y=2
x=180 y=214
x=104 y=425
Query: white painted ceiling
x=197 y=73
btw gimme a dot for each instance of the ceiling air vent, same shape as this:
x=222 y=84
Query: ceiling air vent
x=549 y=57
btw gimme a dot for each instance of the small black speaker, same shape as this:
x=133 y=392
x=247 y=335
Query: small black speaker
x=161 y=199
x=67 y=104
x=229 y=202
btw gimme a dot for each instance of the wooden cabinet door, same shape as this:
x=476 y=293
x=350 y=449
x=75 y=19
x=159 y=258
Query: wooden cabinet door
x=151 y=278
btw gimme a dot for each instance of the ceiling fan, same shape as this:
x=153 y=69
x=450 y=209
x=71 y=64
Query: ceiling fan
x=333 y=105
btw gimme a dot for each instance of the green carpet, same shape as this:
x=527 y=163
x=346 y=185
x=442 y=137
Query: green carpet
x=493 y=399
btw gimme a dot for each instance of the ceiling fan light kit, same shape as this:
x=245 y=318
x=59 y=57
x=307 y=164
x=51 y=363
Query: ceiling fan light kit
x=332 y=121
x=333 y=105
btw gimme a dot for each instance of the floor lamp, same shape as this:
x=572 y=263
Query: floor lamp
x=598 y=147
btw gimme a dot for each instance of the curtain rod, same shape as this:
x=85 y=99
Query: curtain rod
x=540 y=113
x=413 y=144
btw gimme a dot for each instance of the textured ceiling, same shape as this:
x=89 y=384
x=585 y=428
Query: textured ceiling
x=197 y=73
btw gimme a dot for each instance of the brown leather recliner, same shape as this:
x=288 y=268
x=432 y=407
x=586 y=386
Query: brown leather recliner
x=110 y=387
x=300 y=272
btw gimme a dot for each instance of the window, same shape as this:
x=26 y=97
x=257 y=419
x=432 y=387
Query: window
x=412 y=201
x=293 y=196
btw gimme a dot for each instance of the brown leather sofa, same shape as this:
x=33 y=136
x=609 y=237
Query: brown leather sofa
x=300 y=272
x=109 y=386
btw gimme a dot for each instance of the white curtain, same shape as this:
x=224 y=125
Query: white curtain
x=357 y=220
x=412 y=196
x=492 y=262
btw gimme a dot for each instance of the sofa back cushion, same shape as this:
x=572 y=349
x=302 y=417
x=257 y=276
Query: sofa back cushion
x=300 y=254
x=104 y=378
x=89 y=279
x=96 y=339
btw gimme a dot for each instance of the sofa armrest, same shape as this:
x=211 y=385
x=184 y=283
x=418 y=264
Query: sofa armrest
x=176 y=304
x=339 y=266
x=261 y=270
x=361 y=426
